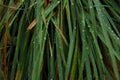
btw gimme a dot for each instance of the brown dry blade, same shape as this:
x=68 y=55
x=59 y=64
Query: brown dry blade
x=118 y=66
x=16 y=76
x=32 y=24
x=45 y=3
x=56 y=71
x=109 y=66
x=5 y=51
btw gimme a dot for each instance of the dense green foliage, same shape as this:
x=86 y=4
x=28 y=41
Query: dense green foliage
x=59 y=39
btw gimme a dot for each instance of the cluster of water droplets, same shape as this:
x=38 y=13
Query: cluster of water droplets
x=114 y=35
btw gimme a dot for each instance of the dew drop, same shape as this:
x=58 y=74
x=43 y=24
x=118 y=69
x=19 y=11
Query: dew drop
x=83 y=30
x=83 y=41
x=87 y=48
x=44 y=38
x=89 y=26
x=33 y=42
x=99 y=10
x=90 y=7
x=117 y=38
x=58 y=1
x=72 y=3
x=75 y=28
x=112 y=31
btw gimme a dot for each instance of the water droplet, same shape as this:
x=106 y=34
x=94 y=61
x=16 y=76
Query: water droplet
x=90 y=7
x=112 y=31
x=72 y=3
x=33 y=42
x=51 y=79
x=83 y=30
x=75 y=28
x=117 y=38
x=87 y=48
x=58 y=1
x=83 y=41
x=88 y=26
x=44 y=38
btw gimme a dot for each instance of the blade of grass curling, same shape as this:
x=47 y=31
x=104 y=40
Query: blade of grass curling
x=95 y=62
x=22 y=61
x=98 y=54
x=38 y=34
x=94 y=65
x=61 y=26
x=14 y=17
x=81 y=25
x=103 y=19
x=113 y=36
x=74 y=63
x=67 y=7
x=51 y=62
x=59 y=60
x=71 y=48
x=73 y=67
x=72 y=43
x=114 y=42
x=21 y=70
x=62 y=52
x=39 y=58
x=85 y=51
x=93 y=34
x=15 y=59
x=41 y=50
x=43 y=44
